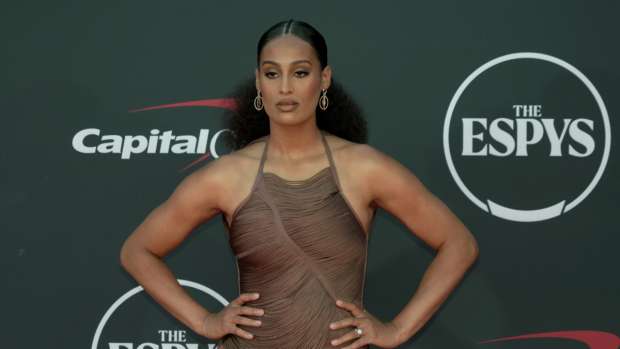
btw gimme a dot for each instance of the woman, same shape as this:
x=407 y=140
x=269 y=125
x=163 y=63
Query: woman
x=298 y=197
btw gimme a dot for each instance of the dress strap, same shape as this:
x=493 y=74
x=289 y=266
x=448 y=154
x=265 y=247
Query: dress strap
x=263 y=157
x=332 y=166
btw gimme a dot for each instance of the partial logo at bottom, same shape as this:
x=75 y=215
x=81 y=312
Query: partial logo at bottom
x=591 y=339
x=136 y=321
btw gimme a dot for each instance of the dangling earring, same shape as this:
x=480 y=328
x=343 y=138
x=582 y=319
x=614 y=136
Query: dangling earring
x=258 y=101
x=323 y=100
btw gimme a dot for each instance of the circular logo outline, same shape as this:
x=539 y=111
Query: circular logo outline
x=535 y=214
x=122 y=299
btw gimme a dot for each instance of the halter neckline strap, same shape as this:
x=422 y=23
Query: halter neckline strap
x=325 y=146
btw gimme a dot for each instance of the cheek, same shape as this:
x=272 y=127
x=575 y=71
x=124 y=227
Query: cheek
x=269 y=90
x=310 y=93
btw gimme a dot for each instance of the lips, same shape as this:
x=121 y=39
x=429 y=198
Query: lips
x=287 y=105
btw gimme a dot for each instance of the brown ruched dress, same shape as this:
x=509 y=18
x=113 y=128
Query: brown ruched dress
x=301 y=246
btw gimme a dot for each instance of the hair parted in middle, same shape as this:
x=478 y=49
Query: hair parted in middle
x=343 y=117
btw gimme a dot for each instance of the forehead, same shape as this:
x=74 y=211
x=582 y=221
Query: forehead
x=288 y=48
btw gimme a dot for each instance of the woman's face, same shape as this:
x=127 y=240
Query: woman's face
x=290 y=80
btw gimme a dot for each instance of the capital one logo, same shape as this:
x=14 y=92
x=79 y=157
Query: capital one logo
x=148 y=330
x=93 y=140
x=526 y=137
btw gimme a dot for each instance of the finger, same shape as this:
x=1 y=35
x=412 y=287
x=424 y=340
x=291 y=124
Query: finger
x=245 y=297
x=245 y=310
x=344 y=338
x=242 y=333
x=357 y=344
x=350 y=321
x=350 y=307
x=245 y=321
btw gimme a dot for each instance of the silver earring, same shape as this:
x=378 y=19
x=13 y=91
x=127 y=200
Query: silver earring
x=258 y=101
x=323 y=100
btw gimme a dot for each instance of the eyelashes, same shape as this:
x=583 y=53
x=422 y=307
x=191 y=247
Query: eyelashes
x=300 y=73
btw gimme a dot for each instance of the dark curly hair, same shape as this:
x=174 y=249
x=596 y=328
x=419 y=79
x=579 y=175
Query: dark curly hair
x=342 y=118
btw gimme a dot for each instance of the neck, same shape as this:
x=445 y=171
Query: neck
x=294 y=142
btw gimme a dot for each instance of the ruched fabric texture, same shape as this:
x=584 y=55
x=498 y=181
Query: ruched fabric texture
x=301 y=246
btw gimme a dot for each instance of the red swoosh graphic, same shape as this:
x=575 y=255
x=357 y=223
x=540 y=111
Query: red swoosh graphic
x=593 y=339
x=224 y=103
x=200 y=159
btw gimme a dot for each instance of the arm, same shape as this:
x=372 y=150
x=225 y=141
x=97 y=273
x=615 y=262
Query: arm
x=400 y=192
x=195 y=200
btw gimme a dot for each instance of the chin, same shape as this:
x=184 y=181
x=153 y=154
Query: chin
x=291 y=118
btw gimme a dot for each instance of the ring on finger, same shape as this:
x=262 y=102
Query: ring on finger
x=359 y=331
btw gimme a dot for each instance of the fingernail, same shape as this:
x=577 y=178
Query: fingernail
x=331 y=325
x=256 y=295
x=339 y=302
x=334 y=342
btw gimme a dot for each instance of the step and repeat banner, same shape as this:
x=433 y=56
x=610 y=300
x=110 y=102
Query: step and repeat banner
x=505 y=110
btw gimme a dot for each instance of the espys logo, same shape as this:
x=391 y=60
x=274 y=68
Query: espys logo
x=118 y=328
x=526 y=137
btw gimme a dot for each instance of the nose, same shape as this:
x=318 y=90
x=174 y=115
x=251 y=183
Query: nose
x=285 y=85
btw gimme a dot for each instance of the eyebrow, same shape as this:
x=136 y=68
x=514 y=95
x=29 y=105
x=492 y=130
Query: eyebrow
x=293 y=62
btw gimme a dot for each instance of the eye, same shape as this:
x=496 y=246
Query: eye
x=269 y=74
x=302 y=73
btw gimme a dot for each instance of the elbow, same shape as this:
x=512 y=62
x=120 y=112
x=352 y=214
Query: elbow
x=133 y=256
x=472 y=249
x=125 y=255
x=466 y=247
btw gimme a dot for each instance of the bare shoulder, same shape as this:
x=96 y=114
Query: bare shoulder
x=234 y=173
x=376 y=173
x=216 y=178
x=360 y=165
x=362 y=158
x=344 y=147
x=229 y=168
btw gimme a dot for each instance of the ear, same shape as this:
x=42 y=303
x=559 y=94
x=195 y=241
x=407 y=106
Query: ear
x=256 y=79
x=326 y=77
